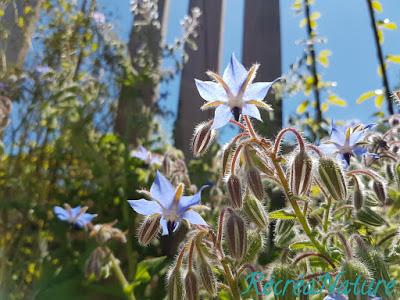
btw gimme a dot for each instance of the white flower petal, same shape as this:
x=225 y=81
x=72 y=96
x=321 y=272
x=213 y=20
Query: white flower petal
x=257 y=91
x=252 y=111
x=210 y=91
x=222 y=116
x=234 y=75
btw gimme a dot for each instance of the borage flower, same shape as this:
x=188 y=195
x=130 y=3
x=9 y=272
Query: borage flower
x=234 y=94
x=145 y=155
x=76 y=216
x=346 y=142
x=170 y=204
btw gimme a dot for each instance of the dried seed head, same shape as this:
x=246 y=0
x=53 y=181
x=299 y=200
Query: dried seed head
x=202 y=138
x=236 y=236
x=149 y=229
x=255 y=212
x=332 y=178
x=300 y=175
x=358 y=197
x=175 y=285
x=380 y=190
x=235 y=192
x=255 y=183
x=191 y=286
x=207 y=278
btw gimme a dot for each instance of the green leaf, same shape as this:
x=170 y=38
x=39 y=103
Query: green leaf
x=302 y=107
x=146 y=267
x=281 y=214
x=377 y=6
x=365 y=96
x=302 y=245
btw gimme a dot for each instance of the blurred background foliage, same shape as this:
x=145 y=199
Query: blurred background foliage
x=62 y=141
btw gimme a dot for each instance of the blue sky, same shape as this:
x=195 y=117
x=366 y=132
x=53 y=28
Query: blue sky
x=345 y=24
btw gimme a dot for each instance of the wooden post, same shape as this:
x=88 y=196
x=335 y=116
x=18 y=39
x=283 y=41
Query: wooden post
x=262 y=44
x=137 y=102
x=16 y=45
x=207 y=57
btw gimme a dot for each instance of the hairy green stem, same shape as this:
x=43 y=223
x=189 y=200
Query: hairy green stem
x=121 y=278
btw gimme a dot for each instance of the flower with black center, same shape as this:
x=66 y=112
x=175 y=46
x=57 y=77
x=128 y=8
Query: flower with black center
x=170 y=203
x=234 y=94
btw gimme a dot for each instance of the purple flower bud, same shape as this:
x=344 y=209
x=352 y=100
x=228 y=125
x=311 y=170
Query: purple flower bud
x=149 y=229
x=202 y=138
x=207 y=277
x=332 y=178
x=236 y=236
x=235 y=192
x=380 y=190
x=191 y=286
x=255 y=183
x=300 y=173
x=358 y=197
x=256 y=212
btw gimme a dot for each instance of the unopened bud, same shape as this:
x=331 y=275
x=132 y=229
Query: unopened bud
x=284 y=233
x=380 y=190
x=353 y=269
x=255 y=244
x=285 y=273
x=175 y=285
x=96 y=265
x=191 y=286
x=166 y=164
x=358 y=197
x=235 y=192
x=255 y=183
x=149 y=229
x=208 y=278
x=369 y=217
x=300 y=173
x=202 y=138
x=255 y=212
x=255 y=158
x=332 y=178
x=236 y=236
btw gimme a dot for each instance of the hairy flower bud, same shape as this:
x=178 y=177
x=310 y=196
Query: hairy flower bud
x=358 y=197
x=175 y=285
x=332 y=178
x=191 y=286
x=96 y=265
x=300 y=173
x=236 y=236
x=235 y=192
x=255 y=158
x=255 y=244
x=255 y=212
x=369 y=217
x=105 y=232
x=202 y=138
x=351 y=269
x=149 y=229
x=285 y=273
x=207 y=278
x=380 y=190
x=255 y=183
x=284 y=233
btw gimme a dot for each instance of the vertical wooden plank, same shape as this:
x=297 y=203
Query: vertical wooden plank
x=137 y=104
x=207 y=57
x=262 y=44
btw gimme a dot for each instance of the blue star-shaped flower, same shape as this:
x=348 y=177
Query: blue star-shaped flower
x=234 y=94
x=170 y=204
x=346 y=142
x=148 y=157
x=76 y=216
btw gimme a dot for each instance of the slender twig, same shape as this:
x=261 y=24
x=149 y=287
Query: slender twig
x=311 y=51
x=307 y=254
x=381 y=59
